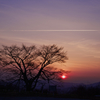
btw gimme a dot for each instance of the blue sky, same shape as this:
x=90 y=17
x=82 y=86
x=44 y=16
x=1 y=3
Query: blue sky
x=73 y=24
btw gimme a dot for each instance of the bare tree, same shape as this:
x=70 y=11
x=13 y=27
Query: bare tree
x=30 y=64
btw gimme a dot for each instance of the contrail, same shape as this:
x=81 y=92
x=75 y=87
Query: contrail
x=53 y=30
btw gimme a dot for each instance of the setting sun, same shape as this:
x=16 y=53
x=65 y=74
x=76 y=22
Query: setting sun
x=63 y=76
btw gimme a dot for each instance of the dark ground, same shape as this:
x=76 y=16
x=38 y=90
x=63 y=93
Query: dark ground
x=36 y=98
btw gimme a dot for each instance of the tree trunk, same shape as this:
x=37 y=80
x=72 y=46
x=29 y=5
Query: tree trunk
x=29 y=87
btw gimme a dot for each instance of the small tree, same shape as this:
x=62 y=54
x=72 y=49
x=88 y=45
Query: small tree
x=30 y=64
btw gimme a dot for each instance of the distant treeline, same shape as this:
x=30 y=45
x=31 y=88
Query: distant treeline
x=80 y=91
x=83 y=91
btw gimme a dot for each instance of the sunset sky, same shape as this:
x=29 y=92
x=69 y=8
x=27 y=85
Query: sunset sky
x=72 y=24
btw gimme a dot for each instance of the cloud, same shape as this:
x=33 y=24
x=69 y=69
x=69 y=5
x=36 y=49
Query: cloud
x=88 y=47
x=24 y=40
x=53 y=30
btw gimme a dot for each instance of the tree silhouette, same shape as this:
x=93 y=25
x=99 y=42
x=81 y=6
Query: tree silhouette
x=31 y=64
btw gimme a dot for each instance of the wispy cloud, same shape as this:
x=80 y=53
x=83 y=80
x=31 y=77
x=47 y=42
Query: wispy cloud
x=53 y=30
x=23 y=40
x=89 y=47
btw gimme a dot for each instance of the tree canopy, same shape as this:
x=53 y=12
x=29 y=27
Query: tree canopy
x=31 y=64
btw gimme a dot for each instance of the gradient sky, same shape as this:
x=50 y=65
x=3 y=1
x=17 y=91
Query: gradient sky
x=72 y=24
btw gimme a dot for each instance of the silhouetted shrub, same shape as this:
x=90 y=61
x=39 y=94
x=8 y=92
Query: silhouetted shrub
x=82 y=91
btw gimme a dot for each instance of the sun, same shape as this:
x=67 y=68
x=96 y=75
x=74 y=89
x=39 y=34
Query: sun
x=63 y=76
